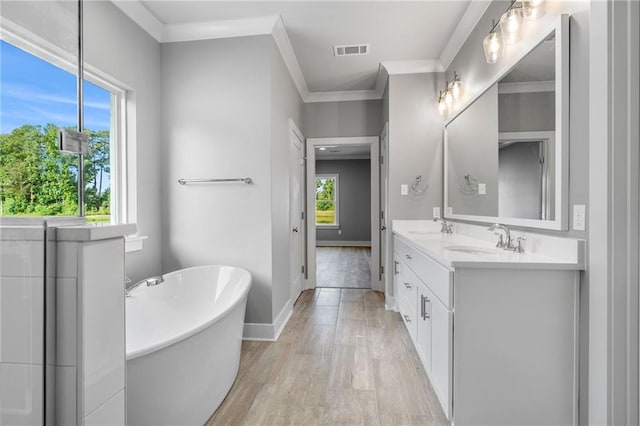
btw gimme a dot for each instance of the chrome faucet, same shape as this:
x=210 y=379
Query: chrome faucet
x=502 y=243
x=446 y=228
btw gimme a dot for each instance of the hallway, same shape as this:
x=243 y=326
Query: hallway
x=340 y=267
x=341 y=359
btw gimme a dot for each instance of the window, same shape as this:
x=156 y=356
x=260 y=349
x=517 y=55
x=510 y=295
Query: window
x=38 y=97
x=327 y=200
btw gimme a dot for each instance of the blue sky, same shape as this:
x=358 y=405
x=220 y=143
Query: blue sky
x=33 y=91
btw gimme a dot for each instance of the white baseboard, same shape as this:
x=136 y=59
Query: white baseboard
x=268 y=332
x=327 y=243
x=390 y=303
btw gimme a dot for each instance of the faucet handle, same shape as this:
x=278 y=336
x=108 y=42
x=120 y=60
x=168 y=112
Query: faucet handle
x=518 y=246
x=500 y=243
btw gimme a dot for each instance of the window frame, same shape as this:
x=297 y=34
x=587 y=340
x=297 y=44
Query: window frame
x=336 y=201
x=122 y=195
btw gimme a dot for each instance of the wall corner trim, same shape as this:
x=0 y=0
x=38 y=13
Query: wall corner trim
x=269 y=332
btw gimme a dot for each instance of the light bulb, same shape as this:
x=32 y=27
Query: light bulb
x=448 y=100
x=442 y=107
x=455 y=87
x=492 y=45
x=511 y=25
x=534 y=9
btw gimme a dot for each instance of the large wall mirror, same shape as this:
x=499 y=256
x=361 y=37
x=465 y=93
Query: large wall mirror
x=506 y=152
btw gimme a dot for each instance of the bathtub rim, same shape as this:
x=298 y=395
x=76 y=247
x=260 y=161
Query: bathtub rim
x=193 y=331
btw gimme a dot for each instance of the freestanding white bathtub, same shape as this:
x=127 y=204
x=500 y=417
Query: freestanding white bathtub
x=183 y=344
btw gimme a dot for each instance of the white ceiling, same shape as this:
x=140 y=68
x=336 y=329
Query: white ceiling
x=399 y=32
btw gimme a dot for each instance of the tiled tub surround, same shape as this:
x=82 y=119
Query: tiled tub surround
x=497 y=331
x=78 y=262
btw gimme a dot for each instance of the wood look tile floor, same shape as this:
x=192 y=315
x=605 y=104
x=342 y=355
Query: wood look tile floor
x=338 y=267
x=342 y=359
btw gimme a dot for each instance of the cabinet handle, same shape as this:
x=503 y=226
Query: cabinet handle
x=408 y=256
x=421 y=306
x=407 y=318
x=424 y=308
x=407 y=285
x=395 y=267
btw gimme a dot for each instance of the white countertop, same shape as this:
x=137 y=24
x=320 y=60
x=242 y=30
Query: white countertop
x=94 y=232
x=426 y=238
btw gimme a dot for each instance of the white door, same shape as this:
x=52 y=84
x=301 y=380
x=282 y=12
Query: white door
x=296 y=212
x=384 y=138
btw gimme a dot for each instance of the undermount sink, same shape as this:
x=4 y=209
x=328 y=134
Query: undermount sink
x=424 y=232
x=470 y=250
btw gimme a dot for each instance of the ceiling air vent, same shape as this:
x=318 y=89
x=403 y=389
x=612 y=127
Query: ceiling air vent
x=351 y=49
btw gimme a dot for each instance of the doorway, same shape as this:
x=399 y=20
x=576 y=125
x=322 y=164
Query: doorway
x=340 y=252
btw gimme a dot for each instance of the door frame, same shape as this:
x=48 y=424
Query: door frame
x=373 y=142
x=296 y=133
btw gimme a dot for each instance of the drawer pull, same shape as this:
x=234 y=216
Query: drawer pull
x=408 y=256
x=407 y=318
x=425 y=300
x=395 y=267
x=407 y=285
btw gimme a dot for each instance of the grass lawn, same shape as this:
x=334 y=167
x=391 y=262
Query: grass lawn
x=326 y=216
x=98 y=218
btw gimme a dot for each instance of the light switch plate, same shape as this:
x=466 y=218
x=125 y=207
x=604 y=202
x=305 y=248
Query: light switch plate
x=436 y=212
x=482 y=189
x=579 y=217
x=404 y=189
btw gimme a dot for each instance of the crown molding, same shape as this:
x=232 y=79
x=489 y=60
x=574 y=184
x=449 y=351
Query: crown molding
x=141 y=16
x=219 y=29
x=345 y=96
x=412 y=67
x=273 y=25
x=467 y=23
x=281 y=38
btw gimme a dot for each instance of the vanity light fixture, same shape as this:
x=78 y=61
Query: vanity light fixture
x=492 y=45
x=511 y=27
x=450 y=97
x=512 y=24
x=533 y=9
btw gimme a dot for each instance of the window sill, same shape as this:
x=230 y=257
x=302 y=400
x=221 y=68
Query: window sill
x=133 y=242
x=329 y=227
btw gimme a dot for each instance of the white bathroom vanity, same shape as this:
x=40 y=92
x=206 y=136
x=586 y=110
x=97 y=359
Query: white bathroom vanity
x=496 y=330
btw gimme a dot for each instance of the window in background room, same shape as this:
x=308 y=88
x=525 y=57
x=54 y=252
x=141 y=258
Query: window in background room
x=37 y=98
x=327 y=200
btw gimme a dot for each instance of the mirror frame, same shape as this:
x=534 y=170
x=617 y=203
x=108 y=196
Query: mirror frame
x=561 y=208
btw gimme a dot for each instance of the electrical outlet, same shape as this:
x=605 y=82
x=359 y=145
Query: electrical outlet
x=404 y=189
x=436 y=212
x=339 y=231
x=482 y=189
x=579 y=217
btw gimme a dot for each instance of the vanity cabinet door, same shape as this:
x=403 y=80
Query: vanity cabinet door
x=425 y=298
x=441 y=352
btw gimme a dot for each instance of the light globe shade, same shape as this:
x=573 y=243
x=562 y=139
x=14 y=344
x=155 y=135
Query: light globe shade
x=456 y=88
x=492 y=45
x=511 y=25
x=534 y=9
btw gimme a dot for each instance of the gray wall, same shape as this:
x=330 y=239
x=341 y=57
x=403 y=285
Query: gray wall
x=285 y=103
x=415 y=143
x=527 y=112
x=226 y=108
x=342 y=119
x=120 y=50
x=354 y=199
